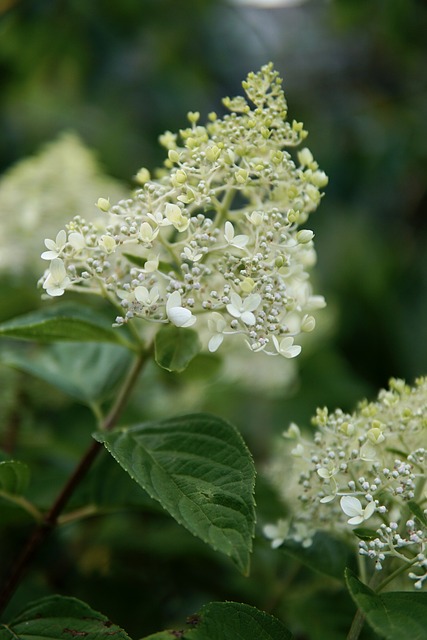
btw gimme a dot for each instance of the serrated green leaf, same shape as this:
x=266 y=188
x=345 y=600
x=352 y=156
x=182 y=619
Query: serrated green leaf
x=200 y=470
x=60 y=618
x=14 y=477
x=228 y=621
x=61 y=322
x=326 y=554
x=85 y=371
x=417 y=511
x=175 y=347
x=394 y=615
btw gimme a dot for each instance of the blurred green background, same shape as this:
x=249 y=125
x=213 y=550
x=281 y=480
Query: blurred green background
x=118 y=74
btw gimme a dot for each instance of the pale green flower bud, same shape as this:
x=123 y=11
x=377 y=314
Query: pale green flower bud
x=173 y=156
x=242 y=176
x=308 y=323
x=305 y=157
x=142 y=176
x=103 y=204
x=304 y=236
x=193 y=116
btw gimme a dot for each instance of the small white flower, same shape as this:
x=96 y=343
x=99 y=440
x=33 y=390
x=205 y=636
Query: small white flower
x=242 y=309
x=151 y=264
x=178 y=315
x=277 y=533
x=216 y=325
x=77 y=240
x=146 y=297
x=158 y=219
x=192 y=254
x=175 y=217
x=147 y=233
x=55 y=246
x=57 y=280
x=286 y=347
x=235 y=241
x=353 y=507
x=107 y=243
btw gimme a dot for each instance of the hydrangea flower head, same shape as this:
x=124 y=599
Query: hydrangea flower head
x=367 y=469
x=216 y=234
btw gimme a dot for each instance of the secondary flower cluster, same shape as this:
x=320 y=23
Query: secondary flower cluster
x=214 y=239
x=366 y=470
x=39 y=192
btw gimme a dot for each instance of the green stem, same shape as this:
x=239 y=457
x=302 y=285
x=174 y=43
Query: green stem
x=24 y=504
x=50 y=519
x=356 y=626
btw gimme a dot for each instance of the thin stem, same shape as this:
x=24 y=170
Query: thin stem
x=24 y=504
x=356 y=626
x=50 y=519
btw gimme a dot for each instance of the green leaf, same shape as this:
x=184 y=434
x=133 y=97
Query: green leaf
x=417 y=511
x=200 y=470
x=228 y=621
x=175 y=347
x=14 y=477
x=85 y=371
x=394 y=615
x=363 y=533
x=61 y=322
x=60 y=618
x=326 y=554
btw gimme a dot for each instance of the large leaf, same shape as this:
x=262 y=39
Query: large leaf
x=85 y=371
x=228 y=621
x=200 y=470
x=14 y=477
x=61 y=322
x=175 y=347
x=326 y=554
x=394 y=615
x=60 y=618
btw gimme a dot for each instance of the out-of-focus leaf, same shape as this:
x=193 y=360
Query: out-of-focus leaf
x=176 y=347
x=61 y=322
x=85 y=371
x=14 y=477
x=326 y=554
x=393 y=615
x=60 y=618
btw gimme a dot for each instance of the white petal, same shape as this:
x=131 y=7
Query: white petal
x=181 y=317
x=61 y=238
x=240 y=241
x=49 y=255
x=369 y=510
x=327 y=499
x=252 y=302
x=215 y=342
x=356 y=520
x=351 y=506
x=248 y=318
x=141 y=294
x=50 y=244
x=236 y=300
x=57 y=270
x=228 y=231
x=233 y=311
x=174 y=300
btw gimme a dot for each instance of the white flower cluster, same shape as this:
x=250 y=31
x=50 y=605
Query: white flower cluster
x=214 y=240
x=44 y=190
x=367 y=470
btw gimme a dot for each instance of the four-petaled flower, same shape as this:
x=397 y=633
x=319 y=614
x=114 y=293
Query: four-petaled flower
x=55 y=246
x=353 y=507
x=235 y=241
x=146 y=297
x=57 y=280
x=242 y=309
x=178 y=315
x=286 y=347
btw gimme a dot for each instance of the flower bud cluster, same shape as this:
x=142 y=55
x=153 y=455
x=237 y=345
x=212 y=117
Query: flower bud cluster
x=363 y=473
x=214 y=241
